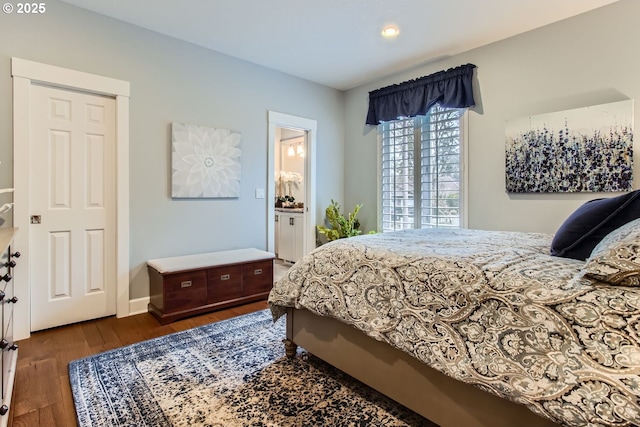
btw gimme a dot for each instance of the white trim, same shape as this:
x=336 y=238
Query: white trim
x=139 y=305
x=379 y=179
x=122 y=206
x=464 y=140
x=24 y=74
x=66 y=78
x=309 y=126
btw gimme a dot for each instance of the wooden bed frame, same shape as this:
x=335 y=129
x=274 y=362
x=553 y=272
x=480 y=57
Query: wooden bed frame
x=437 y=397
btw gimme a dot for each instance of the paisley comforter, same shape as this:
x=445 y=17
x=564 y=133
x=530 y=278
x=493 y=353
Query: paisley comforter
x=492 y=309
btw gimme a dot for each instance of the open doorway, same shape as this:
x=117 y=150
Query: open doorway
x=289 y=163
x=291 y=213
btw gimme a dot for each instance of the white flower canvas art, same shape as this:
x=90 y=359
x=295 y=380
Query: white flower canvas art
x=205 y=162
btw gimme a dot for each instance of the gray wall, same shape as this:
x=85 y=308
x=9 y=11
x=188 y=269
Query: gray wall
x=176 y=81
x=586 y=60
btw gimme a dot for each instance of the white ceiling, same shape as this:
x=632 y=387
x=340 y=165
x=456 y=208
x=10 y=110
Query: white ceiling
x=337 y=43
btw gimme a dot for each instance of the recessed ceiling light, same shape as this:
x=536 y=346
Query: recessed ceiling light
x=390 y=31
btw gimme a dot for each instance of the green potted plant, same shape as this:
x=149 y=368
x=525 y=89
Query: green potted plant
x=341 y=226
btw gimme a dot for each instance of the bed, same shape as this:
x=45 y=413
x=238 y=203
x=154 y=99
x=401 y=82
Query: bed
x=476 y=328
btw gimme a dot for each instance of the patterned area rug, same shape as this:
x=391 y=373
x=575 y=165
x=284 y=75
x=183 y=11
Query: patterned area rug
x=229 y=373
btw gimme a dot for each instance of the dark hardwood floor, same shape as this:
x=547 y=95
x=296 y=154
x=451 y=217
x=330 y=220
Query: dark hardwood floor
x=42 y=394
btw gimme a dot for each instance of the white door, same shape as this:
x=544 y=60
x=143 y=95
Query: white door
x=72 y=194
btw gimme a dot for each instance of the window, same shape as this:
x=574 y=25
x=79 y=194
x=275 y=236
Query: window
x=421 y=171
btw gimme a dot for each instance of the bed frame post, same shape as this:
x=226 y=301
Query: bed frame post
x=290 y=348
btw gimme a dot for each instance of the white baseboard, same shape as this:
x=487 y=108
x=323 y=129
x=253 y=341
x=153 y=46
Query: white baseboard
x=138 y=306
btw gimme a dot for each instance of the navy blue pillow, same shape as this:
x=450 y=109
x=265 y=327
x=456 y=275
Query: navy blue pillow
x=591 y=222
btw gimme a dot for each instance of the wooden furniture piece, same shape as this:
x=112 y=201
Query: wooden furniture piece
x=437 y=397
x=193 y=284
x=8 y=348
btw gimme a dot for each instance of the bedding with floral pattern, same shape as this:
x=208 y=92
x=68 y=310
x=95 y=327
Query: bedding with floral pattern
x=489 y=308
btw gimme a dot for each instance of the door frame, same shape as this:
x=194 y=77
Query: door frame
x=309 y=127
x=24 y=74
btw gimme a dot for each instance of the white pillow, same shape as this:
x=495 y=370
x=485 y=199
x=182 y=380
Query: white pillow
x=616 y=259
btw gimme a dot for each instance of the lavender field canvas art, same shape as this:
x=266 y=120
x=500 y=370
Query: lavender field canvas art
x=584 y=149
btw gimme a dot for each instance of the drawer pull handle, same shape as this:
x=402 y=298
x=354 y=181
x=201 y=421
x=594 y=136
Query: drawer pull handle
x=185 y=284
x=257 y=271
x=225 y=277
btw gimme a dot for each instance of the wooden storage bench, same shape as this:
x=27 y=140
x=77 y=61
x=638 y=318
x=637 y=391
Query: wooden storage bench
x=193 y=284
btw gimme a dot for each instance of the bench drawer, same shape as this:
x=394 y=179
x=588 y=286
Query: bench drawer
x=224 y=283
x=257 y=277
x=183 y=291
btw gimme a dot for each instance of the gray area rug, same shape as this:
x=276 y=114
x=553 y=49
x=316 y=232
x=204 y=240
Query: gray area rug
x=229 y=373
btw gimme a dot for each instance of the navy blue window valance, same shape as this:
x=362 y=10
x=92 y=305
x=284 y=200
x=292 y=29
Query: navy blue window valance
x=451 y=89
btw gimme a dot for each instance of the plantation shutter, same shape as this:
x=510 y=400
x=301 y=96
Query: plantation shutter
x=441 y=167
x=398 y=177
x=421 y=171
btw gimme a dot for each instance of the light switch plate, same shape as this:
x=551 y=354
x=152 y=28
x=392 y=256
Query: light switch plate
x=259 y=193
